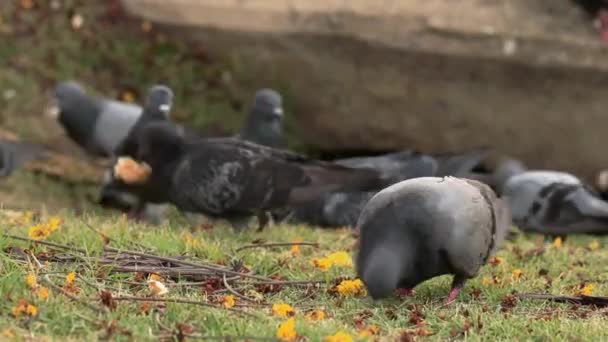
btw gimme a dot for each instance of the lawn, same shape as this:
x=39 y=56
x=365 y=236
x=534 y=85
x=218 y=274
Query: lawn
x=104 y=277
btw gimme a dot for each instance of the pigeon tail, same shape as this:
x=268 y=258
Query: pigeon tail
x=382 y=272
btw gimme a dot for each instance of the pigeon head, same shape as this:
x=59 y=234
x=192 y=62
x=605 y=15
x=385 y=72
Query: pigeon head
x=75 y=110
x=159 y=101
x=159 y=144
x=264 y=122
x=385 y=257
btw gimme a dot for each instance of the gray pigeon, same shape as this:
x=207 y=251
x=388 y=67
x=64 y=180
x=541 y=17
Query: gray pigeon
x=233 y=179
x=426 y=227
x=555 y=203
x=96 y=124
x=264 y=122
x=14 y=154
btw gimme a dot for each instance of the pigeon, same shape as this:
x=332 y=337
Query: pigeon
x=97 y=125
x=14 y=154
x=157 y=107
x=555 y=203
x=343 y=208
x=232 y=178
x=264 y=123
x=426 y=227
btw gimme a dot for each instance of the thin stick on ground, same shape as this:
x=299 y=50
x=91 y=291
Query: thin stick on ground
x=45 y=243
x=234 y=292
x=180 y=301
x=278 y=244
x=284 y=282
x=188 y=263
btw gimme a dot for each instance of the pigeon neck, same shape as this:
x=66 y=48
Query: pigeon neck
x=259 y=130
x=79 y=117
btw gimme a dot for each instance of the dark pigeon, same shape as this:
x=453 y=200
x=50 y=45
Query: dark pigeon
x=264 y=122
x=97 y=125
x=157 y=107
x=426 y=227
x=14 y=154
x=233 y=179
x=555 y=203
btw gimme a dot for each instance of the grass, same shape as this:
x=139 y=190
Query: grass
x=112 y=54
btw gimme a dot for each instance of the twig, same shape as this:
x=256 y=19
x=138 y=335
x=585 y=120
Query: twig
x=46 y=243
x=180 y=301
x=582 y=299
x=46 y=279
x=187 y=263
x=234 y=292
x=278 y=244
x=284 y=282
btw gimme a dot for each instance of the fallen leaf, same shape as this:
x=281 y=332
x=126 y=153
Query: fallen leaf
x=508 y=302
x=370 y=330
x=157 y=288
x=107 y=299
x=76 y=21
x=495 y=261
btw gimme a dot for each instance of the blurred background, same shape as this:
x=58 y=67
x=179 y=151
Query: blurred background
x=527 y=77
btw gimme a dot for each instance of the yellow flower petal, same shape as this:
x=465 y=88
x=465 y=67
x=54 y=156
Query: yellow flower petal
x=587 y=290
x=38 y=232
x=69 y=279
x=283 y=310
x=30 y=280
x=323 y=264
x=43 y=293
x=340 y=336
x=516 y=274
x=228 y=301
x=351 y=287
x=316 y=315
x=31 y=310
x=341 y=258
x=287 y=330
x=594 y=245
x=557 y=243
x=8 y=333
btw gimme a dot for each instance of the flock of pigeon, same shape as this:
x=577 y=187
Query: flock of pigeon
x=417 y=216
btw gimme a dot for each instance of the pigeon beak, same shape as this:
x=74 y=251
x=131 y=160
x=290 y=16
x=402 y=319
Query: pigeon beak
x=52 y=110
x=278 y=111
x=165 y=108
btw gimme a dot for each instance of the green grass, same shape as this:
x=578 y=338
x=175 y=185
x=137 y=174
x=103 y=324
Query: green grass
x=39 y=47
x=481 y=306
